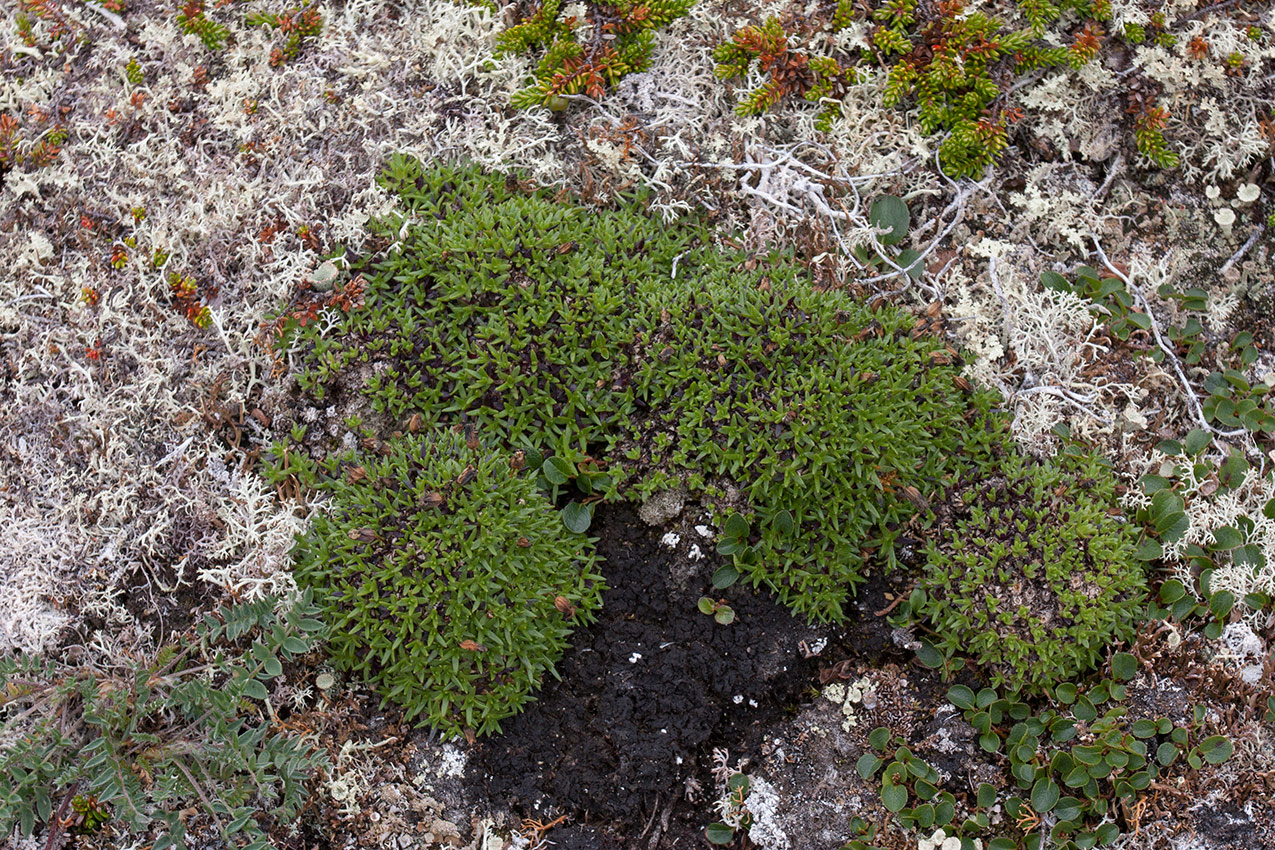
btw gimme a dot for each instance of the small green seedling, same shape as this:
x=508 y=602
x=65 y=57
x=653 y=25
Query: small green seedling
x=718 y=609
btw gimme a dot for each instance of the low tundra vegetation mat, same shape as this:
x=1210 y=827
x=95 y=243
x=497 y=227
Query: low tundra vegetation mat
x=1030 y=581
x=448 y=578
x=620 y=357
x=132 y=748
x=135 y=277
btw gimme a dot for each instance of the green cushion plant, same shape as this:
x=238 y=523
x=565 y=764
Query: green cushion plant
x=448 y=578
x=822 y=423
x=834 y=423
x=1032 y=576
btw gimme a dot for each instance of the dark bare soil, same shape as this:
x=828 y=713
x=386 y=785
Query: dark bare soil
x=646 y=694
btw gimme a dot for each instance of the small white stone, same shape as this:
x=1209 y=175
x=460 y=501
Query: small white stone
x=635 y=658
x=703 y=531
x=737 y=699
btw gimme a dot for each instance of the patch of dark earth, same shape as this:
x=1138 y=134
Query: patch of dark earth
x=647 y=693
x=1226 y=826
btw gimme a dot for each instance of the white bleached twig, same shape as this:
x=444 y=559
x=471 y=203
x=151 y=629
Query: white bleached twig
x=1169 y=353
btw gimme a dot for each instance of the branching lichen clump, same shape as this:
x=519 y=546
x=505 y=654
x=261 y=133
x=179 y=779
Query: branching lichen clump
x=668 y=361
x=1032 y=577
x=447 y=577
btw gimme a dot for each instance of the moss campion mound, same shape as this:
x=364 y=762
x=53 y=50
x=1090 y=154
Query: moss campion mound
x=671 y=362
x=448 y=579
x=1033 y=578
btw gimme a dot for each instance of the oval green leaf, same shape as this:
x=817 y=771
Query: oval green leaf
x=725 y=577
x=961 y=697
x=577 y=517
x=894 y=797
x=1216 y=749
x=557 y=470
x=719 y=833
x=891 y=213
x=1045 y=794
x=1124 y=666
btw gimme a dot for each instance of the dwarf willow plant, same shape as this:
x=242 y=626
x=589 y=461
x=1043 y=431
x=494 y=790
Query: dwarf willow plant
x=448 y=579
x=1073 y=769
x=192 y=728
x=1078 y=762
x=562 y=331
x=1032 y=576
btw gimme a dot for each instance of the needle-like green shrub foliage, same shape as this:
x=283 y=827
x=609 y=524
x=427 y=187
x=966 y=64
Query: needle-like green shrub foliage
x=448 y=578
x=584 y=56
x=826 y=425
x=504 y=305
x=1033 y=577
x=834 y=421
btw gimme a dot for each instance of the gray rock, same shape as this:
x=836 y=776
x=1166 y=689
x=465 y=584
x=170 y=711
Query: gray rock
x=663 y=506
